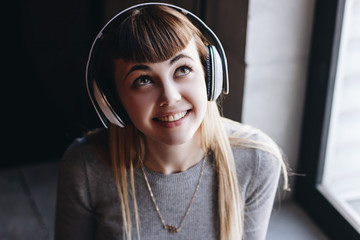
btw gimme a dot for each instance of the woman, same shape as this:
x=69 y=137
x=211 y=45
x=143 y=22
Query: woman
x=177 y=169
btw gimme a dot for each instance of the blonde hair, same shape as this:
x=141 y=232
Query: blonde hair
x=215 y=139
x=156 y=33
x=127 y=151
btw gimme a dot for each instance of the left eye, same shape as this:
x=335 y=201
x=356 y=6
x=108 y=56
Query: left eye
x=142 y=81
x=182 y=71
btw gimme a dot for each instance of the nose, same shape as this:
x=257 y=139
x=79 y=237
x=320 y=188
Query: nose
x=170 y=94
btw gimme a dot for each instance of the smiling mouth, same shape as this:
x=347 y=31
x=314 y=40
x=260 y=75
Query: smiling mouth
x=173 y=118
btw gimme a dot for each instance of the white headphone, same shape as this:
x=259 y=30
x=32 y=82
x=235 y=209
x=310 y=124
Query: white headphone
x=108 y=110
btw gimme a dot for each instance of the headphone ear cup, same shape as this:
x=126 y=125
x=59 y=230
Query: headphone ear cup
x=105 y=109
x=214 y=74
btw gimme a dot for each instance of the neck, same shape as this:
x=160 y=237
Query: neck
x=169 y=159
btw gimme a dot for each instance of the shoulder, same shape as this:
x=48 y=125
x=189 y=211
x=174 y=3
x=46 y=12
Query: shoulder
x=93 y=142
x=239 y=132
x=86 y=151
x=82 y=171
x=257 y=157
x=81 y=178
x=245 y=137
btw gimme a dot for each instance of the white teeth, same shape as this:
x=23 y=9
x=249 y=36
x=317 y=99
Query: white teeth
x=173 y=118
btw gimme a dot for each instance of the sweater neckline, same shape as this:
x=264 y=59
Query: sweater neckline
x=189 y=175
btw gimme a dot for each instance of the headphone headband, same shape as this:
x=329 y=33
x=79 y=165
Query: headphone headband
x=105 y=110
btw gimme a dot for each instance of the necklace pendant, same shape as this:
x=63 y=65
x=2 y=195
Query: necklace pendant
x=171 y=228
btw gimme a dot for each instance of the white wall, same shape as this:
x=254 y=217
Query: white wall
x=277 y=49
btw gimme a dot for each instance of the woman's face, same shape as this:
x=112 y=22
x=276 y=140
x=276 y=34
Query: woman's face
x=166 y=100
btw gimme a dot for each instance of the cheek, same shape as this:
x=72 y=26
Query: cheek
x=136 y=107
x=198 y=90
x=197 y=96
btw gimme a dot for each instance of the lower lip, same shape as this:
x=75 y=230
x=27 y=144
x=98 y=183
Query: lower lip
x=174 y=123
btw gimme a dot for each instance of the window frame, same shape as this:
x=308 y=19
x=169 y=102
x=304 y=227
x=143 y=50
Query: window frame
x=325 y=42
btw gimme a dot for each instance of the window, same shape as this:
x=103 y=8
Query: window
x=341 y=178
x=330 y=145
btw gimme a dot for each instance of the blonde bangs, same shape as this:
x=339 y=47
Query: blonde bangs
x=153 y=35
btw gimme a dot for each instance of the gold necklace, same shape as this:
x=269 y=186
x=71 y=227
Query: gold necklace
x=173 y=228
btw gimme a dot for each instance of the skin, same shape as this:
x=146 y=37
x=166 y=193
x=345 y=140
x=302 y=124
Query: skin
x=155 y=95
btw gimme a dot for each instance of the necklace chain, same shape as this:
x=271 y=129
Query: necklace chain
x=173 y=228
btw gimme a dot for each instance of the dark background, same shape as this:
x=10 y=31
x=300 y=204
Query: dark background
x=45 y=103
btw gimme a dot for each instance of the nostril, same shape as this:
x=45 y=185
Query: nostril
x=163 y=104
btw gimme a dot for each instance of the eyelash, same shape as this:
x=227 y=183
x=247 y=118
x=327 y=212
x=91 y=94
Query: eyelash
x=184 y=67
x=138 y=84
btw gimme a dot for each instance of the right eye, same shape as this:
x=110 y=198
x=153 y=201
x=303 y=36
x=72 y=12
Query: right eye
x=142 y=81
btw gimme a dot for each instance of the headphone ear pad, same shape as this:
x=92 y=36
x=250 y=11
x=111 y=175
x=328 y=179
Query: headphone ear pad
x=213 y=74
x=208 y=76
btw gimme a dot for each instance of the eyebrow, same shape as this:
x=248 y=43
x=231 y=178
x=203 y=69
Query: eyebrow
x=178 y=57
x=145 y=67
x=137 y=67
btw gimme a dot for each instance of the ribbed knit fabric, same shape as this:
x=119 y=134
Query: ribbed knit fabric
x=88 y=205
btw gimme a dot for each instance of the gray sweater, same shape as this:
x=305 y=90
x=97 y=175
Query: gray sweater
x=88 y=205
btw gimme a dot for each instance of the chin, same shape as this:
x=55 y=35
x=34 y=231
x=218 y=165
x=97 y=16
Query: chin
x=175 y=138
x=173 y=141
